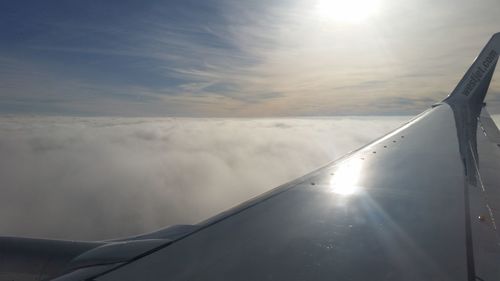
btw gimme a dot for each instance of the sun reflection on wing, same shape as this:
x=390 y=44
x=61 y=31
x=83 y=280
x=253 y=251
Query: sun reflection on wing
x=346 y=177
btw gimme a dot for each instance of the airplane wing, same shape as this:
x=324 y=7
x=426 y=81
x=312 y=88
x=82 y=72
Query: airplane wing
x=421 y=203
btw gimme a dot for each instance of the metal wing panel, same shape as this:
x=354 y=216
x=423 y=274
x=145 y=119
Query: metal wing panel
x=488 y=164
x=489 y=128
x=393 y=210
x=485 y=200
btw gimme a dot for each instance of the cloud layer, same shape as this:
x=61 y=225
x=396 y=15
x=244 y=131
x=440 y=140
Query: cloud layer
x=98 y=178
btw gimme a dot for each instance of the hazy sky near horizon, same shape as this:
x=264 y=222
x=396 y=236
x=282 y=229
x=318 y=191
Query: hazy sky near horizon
x=223 y=58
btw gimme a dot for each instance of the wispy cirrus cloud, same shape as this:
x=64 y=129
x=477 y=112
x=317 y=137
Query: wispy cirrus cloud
x=221 y=58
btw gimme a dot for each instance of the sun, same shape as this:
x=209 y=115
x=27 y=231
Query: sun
x=350 y=11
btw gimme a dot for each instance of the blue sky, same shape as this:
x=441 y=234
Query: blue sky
x=222 y=58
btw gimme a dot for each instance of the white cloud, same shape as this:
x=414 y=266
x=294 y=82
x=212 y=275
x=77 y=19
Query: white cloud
x=97 y=178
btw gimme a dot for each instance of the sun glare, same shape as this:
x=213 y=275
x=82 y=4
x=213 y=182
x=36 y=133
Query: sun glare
x=351 y=11
x=345 y=179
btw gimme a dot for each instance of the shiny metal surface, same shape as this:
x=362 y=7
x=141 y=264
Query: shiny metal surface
x=485 y=201
x=394 y=210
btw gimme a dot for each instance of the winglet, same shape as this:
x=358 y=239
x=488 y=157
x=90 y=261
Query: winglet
x=472 y=88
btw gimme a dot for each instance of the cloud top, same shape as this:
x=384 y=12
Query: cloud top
x=99 y=178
